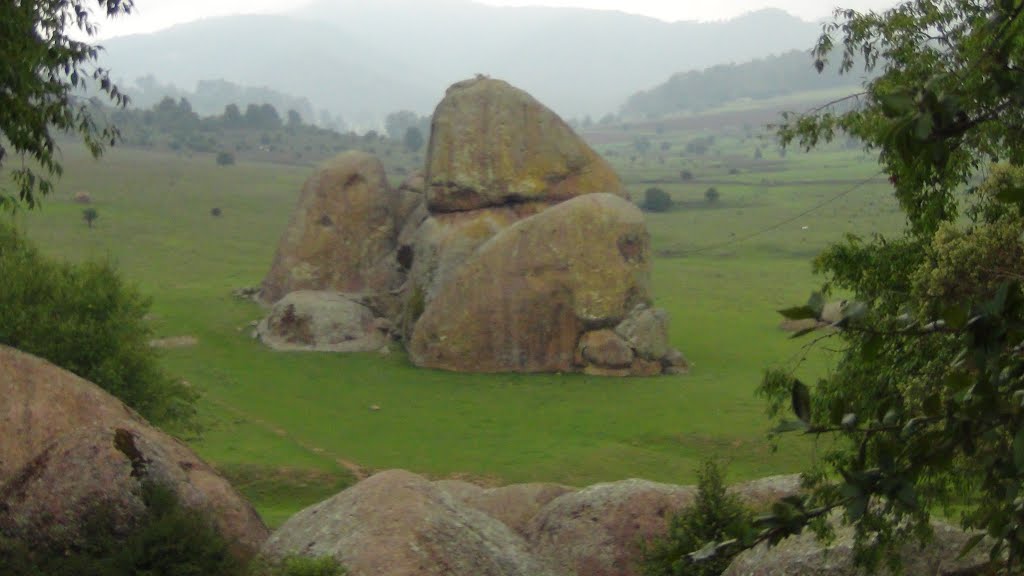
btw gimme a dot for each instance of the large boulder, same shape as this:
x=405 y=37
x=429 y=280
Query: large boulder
x=597 y=531
x=323 y=321
x=401 y=524
x=804 y=555
x=492 y=145
x=343 y=232
x=521 y=301
x=68 y=447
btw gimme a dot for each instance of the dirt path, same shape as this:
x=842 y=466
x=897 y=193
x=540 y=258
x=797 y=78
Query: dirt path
x=356 y=470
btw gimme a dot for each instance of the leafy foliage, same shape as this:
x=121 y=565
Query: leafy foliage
x=86 y=320
x=44 y=65
x=715 y=516
x=926 y=405
x=712 y=195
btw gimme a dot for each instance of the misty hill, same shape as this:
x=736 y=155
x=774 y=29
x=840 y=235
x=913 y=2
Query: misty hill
x=769 y=77
x=365 y=59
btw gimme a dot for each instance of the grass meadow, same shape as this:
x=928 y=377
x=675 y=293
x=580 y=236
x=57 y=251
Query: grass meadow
x=287 y=427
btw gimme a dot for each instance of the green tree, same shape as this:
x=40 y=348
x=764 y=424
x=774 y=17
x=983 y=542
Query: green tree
x=225 y=158
x=90 y=215
x=413 y=139
x=656 y=200
x=85 y=319
x=716 y=515
x=926 y=405
x=712 y=195
x=43 y=65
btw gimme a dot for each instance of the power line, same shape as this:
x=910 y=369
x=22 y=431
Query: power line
x=775 y=226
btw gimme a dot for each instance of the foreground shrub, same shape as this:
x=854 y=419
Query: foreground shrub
x=85 y=319
x=715 y=516
x=169 y=541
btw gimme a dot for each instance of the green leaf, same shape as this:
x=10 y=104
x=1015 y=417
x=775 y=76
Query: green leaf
x=923 y=126
x=799 y=313
x=1010 y=195
x=1018 y=450
x=971 y=544
x=896 y=103
x=856 y=508
x=816 y=303
x=801 y=400
x=804 y=332
x=955 y=316
x=871 y=346
x=790 y=426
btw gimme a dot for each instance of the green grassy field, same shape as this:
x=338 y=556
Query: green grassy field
x=286 y=427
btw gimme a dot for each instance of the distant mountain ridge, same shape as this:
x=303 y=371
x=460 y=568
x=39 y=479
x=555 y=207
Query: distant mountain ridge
x=363 y=59
x=760 y=79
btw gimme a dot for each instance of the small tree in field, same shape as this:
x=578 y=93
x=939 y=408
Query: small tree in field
x=711 y=195
x=686 y=176
x=656 y=200
x=90 y=215
x=225 y=158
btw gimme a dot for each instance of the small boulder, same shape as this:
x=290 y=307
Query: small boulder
x=492 y=145
x=597 y=531
x=646 y=330
x=606 y=349
x=322 y=321
x=401 y=524
x=341 y=233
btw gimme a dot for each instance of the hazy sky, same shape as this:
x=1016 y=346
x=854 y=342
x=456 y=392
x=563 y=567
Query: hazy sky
x=154 y=15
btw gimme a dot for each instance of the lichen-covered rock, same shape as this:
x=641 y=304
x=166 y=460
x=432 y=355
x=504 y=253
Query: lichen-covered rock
x=341 y=234
x=401 y=524
x=322 y=321
x=646 y=330
x=803 y=555
x=444 y=242
x=67 y=447
x=605 y=348
x=597 y=531
x=521 y=301
x=40 y=402
x=492 y=145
